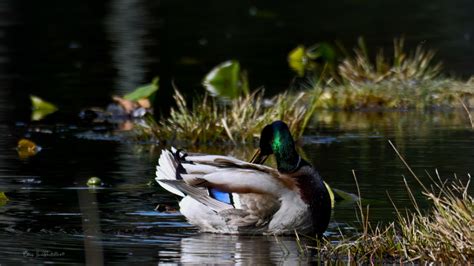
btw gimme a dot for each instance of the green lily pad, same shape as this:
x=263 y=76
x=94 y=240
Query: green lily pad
x=297 y=60
x=41 y=108
x=226 y=80
x=322 y=50
x=143 y=92
x=3 y=199
x=301 y=59
x=340 y=195
x=94 y=182
x=331 y=194
x=262 y=13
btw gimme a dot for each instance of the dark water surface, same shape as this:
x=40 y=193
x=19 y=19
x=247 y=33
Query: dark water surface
x=79 y=53
x=53 y=216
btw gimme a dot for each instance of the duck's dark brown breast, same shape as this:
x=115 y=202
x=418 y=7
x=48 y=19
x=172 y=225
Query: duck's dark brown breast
x=314 y=193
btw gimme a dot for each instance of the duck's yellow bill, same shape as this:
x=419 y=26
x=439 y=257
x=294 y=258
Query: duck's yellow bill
x=258 y=157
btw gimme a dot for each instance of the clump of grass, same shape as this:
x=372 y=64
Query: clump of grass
x=446 y=233
x=404 y=67
x=241 y=119
x=443 y=234
x=437 y=93
x=237 y=120
x=406 y=81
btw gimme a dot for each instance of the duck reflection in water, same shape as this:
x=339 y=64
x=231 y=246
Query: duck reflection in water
x=207 y=248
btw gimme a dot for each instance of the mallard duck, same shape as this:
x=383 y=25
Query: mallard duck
x=222 y=194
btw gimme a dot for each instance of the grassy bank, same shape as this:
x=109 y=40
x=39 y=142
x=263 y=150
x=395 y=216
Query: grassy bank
x=239 y=120
x=400 y=81
x=236 y=121
x=443 y=233
x=397 y=95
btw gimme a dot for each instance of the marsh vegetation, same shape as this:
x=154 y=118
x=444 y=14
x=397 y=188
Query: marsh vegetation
x=406 y=81
x=440 y=233
x=351 y=82
x=231 y=114
x=81 y=188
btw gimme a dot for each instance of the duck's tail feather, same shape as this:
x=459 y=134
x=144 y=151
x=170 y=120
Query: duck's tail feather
x=172 y=176
x=170 y=168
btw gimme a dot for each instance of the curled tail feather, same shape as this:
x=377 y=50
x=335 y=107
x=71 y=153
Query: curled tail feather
x=170 y=168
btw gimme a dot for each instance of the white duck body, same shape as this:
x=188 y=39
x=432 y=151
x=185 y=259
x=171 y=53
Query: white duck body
x=264 y=200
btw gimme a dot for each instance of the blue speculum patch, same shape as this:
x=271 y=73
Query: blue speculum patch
x=220 y=196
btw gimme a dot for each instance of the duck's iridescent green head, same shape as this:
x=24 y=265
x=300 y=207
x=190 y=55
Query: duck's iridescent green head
x=276 y=139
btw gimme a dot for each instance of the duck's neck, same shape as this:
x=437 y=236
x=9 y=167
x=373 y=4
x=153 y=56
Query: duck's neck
x=288 y=161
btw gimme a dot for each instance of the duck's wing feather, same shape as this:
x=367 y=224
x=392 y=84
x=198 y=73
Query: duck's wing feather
x=223 y=172
x=221 y=161
x=231 y=175
x=198 y=194
x=236 y=180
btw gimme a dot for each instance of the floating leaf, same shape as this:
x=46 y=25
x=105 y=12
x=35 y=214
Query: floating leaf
x=262 y=13
x=27 y=148
x=41 y=108
x=3 y=199
x=226 y=80
x=340 y=195
x=297 y=60
x=94 y=181
x=39 y=103
x=323 y=51
x=127 y=105
x=302 y=59
x=331 y=194
x=143 y=92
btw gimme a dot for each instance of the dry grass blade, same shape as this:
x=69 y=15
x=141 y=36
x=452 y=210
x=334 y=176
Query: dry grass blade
x=467 y=112
x=408 y=167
